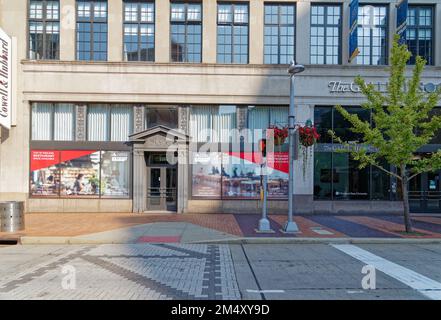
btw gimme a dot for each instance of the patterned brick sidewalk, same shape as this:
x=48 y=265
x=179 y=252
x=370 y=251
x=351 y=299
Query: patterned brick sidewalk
x=241 y=225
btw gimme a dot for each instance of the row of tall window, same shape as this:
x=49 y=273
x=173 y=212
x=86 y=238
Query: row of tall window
x=104 y=122
x=232 y=32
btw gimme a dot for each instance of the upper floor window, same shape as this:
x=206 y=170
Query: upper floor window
x=325 y=34
x=372 y=34
x=419 y=33
x=186 y=32
x=92 y=30
x=279 y=33
x=139 y=30
x=232 y=33
x=44 y=29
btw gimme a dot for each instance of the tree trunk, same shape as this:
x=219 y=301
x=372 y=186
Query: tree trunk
x=404 y=187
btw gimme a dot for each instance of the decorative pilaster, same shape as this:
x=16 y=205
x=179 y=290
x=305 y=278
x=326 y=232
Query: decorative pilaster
x=184 y=119
x=139 y=182
x=80 y=122
x=138 y=119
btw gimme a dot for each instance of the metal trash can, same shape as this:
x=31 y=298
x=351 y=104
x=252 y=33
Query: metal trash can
x=12 y=216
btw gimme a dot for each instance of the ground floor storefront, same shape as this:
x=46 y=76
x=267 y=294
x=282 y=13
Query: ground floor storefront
x=202 y=159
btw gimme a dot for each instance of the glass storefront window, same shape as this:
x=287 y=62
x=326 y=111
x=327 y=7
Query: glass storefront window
x=323 y=123
x=323 y=175
x=115 y=174
x=342 y=126
x=164 y=116
x=240 y=178
x=45 y=174
x=351 y=182
x=206 y=177
x=381 y=188
x=80 y=174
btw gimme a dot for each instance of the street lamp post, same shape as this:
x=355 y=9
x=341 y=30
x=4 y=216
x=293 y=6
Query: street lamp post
x=290 y=225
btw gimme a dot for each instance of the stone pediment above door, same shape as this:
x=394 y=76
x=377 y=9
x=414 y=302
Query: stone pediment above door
x=157 y=138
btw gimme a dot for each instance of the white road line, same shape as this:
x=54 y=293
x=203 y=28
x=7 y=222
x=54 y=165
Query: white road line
x=426 y=286
x=265 y=291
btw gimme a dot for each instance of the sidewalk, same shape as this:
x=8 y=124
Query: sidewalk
x=186 y=228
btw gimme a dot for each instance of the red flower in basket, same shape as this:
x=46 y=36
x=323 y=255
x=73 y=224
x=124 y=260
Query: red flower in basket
x=308 y=136
x=280 y=134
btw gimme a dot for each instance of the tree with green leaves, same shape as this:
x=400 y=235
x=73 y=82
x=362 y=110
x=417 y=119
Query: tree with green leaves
x=401 y=124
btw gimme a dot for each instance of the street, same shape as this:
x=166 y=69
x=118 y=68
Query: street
x=199 y=271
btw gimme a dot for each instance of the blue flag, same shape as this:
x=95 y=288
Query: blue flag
x=353 y=31
x=402 y=8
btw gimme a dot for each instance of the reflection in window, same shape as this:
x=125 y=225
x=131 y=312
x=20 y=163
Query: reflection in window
x=186 y=32
x=279 y=33
x=323 y=175
x=372 y=35
x=161 y=116
x=92 y=30
x=325 y=34
x=232 y=33
x=419 y=33
x=44 y=29
x=139 y=31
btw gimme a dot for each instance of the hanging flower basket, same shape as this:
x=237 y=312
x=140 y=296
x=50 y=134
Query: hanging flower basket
x=308 y=136
x=280 y=135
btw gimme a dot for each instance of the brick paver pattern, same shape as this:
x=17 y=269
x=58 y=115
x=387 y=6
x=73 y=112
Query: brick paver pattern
x=132 y=271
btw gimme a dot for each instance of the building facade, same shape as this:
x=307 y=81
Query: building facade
x=137 y=106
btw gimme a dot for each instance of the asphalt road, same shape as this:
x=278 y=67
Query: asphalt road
x=253 y=271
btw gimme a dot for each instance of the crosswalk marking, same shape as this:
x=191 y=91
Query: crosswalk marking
x=426 y=286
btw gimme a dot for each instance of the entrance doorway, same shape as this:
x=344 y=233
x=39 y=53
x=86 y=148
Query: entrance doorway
x=161 y=183
x=425 y=193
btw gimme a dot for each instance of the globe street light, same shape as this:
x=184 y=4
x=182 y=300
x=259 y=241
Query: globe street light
x=290 y=225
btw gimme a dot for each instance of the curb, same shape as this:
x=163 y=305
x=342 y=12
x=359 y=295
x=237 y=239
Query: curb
x=322 y=241
x=264 y=240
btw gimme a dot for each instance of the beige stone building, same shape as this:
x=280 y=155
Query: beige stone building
x=102 y=90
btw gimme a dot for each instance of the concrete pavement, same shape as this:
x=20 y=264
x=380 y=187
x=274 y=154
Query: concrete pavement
x=200 y=271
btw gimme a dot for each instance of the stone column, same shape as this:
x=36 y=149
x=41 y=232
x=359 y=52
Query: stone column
x=139 y=181
x=209 y=31
x=303 y=38
x=162 y=32
x=304 y=176
x=183 y=178
x=67 y=30
x=115 y=30
x=256 y=32
x=80 y=122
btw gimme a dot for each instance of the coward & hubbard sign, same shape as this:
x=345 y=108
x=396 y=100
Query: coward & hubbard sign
x=5 y=80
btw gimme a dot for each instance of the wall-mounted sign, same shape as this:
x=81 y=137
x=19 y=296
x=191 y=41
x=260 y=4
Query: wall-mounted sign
x=5 y=80
x=337 y=86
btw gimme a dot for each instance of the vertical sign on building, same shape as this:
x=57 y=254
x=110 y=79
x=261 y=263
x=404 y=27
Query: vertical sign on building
x=5 y=80
x=353 y=31
x=402 y=7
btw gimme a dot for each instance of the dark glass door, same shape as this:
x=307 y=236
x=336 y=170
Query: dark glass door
x=161 y=188
x=425 y=193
